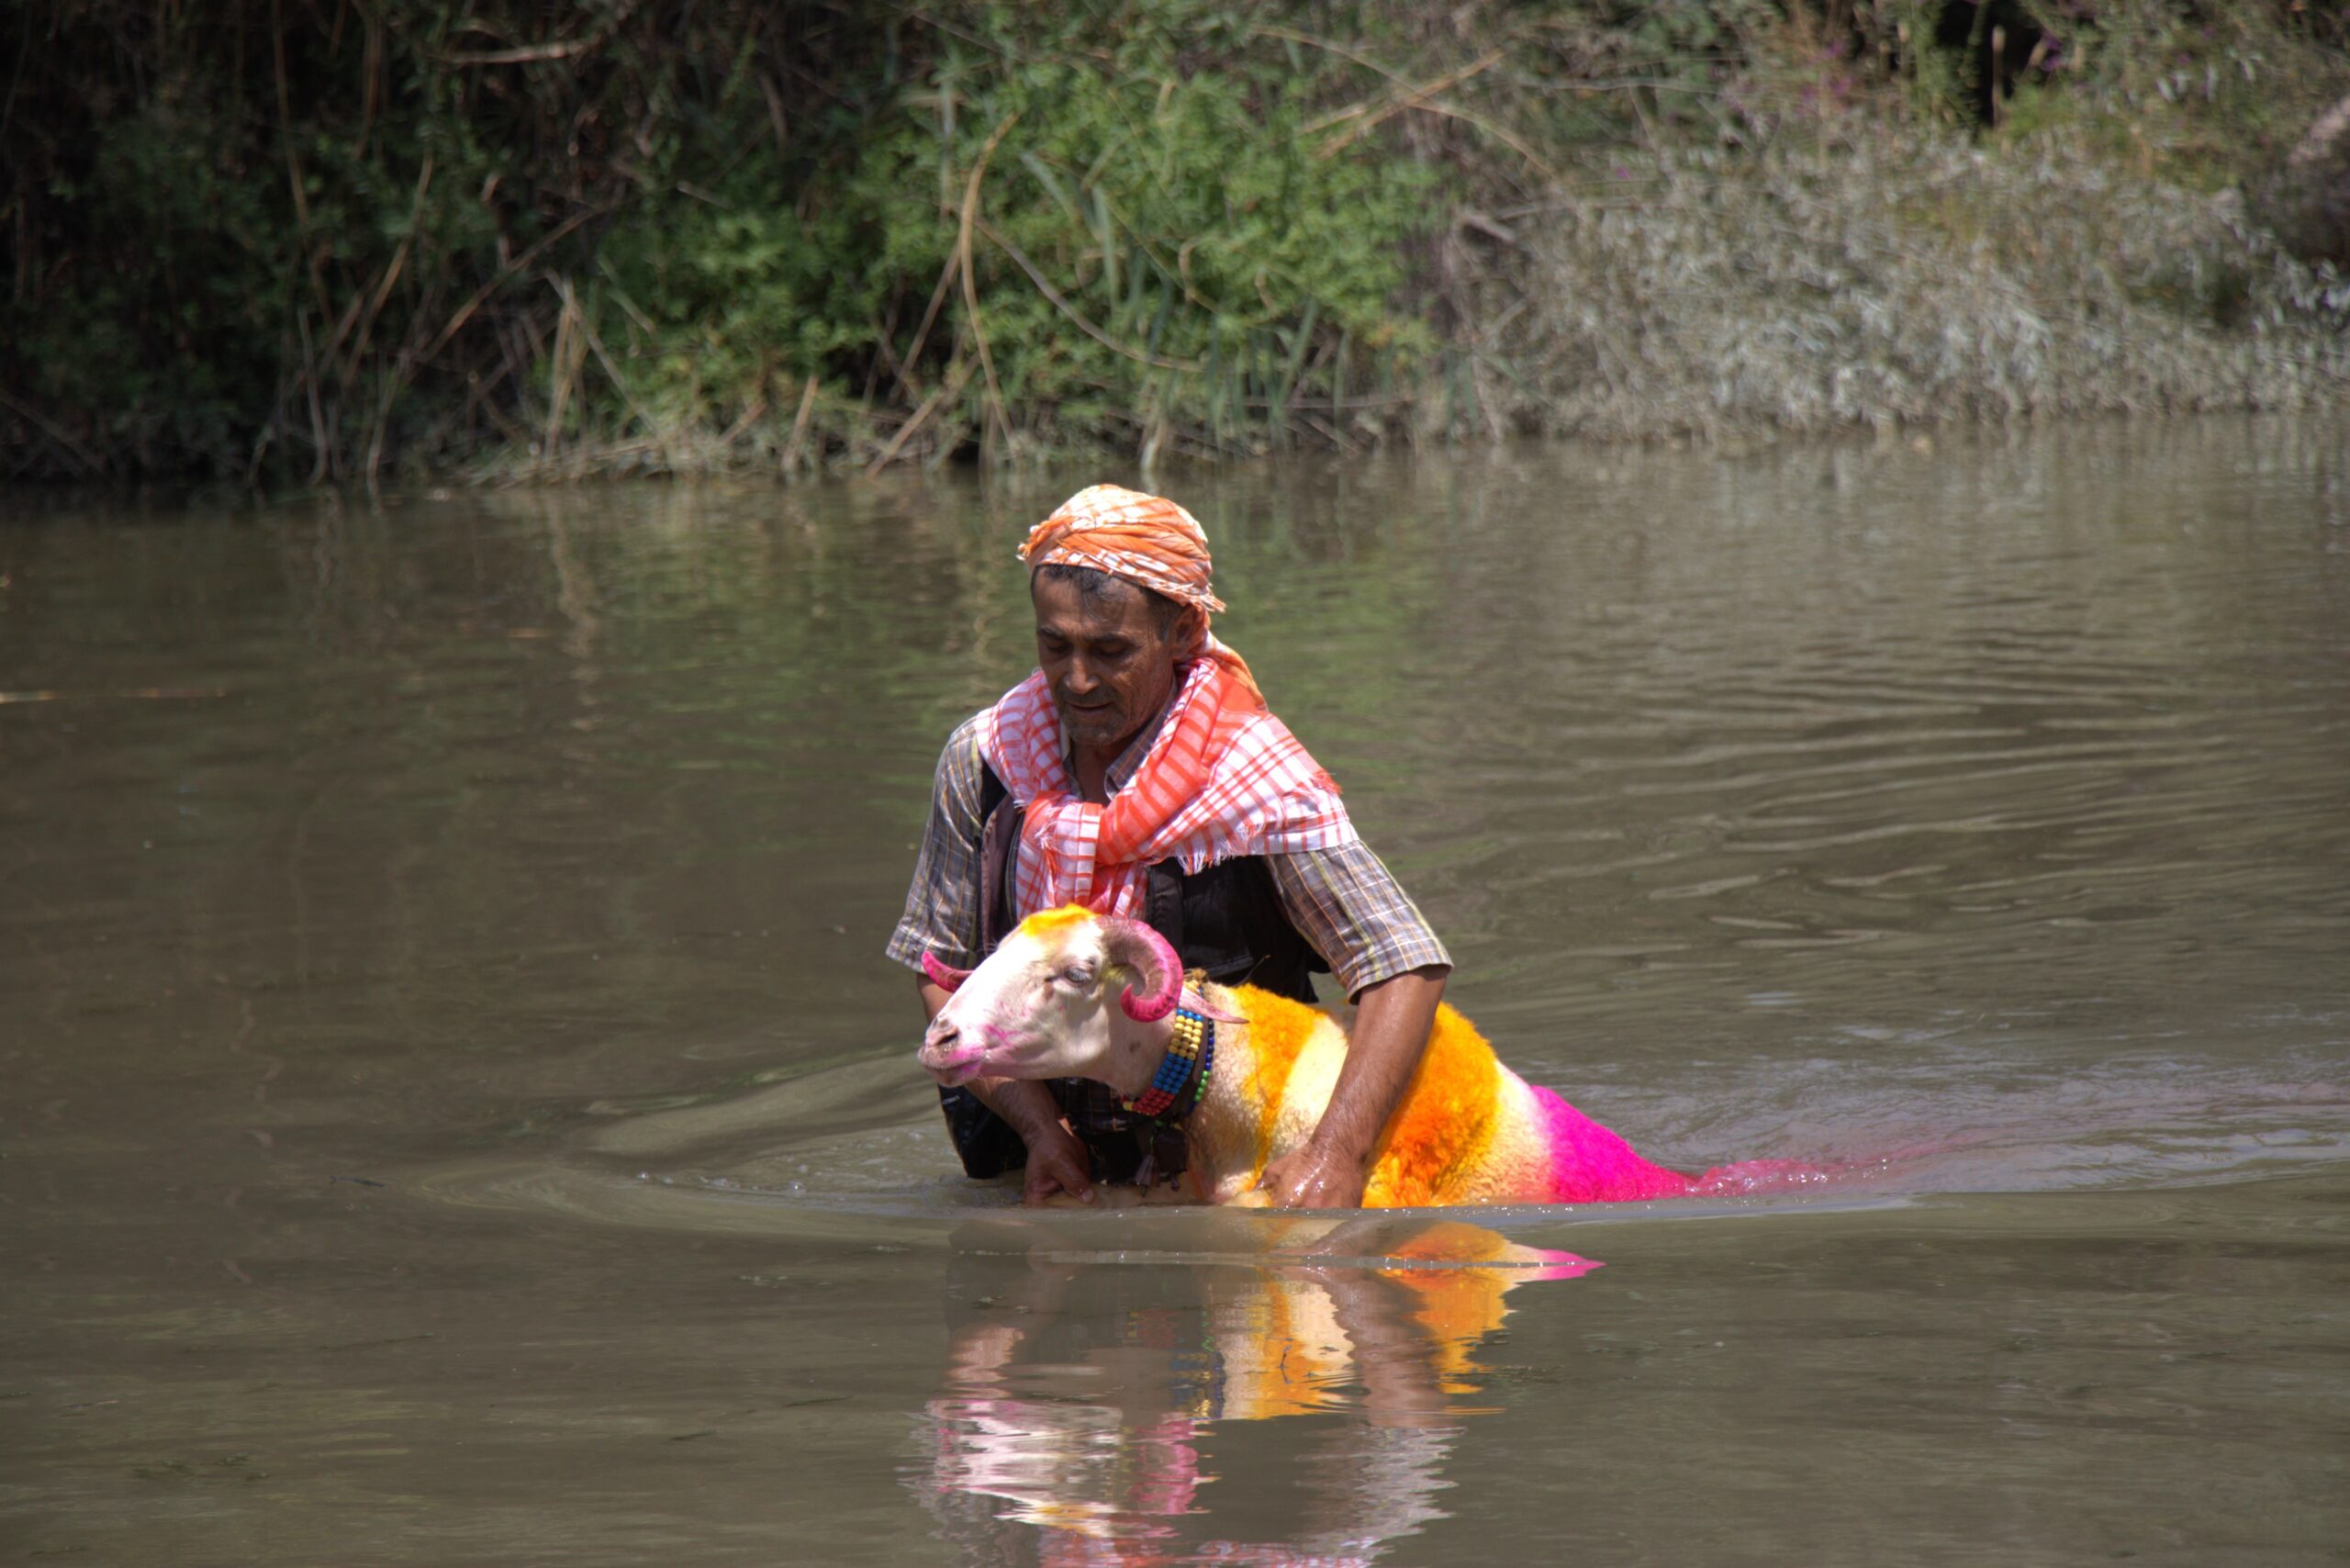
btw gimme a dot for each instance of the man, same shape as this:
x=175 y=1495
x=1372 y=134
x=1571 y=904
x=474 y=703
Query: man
x=1138 y=772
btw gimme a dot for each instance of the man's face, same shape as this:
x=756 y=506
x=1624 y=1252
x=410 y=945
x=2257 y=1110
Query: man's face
x=1110 y=668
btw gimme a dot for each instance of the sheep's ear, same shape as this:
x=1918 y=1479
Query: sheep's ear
x=1119 y=976
x=1196 y=1002
x=940 y=973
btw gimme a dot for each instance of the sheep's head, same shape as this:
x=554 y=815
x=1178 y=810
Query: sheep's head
x=1052 y=999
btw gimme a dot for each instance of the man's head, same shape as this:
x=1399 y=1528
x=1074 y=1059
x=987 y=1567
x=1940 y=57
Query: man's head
x=1120 y=583
x=1108 y=649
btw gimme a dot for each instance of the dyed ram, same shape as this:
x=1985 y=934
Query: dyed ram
x=1074 y=994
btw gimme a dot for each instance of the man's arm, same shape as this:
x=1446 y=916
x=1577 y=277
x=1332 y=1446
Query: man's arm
x=1392 y=1023
x=1057 y=1161
x=941 y=911
x=1350 y=908
x=942 y=916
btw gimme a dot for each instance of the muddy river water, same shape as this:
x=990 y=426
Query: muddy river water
x=453 y=1110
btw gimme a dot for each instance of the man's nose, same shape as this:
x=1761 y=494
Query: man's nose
x=1078 y=680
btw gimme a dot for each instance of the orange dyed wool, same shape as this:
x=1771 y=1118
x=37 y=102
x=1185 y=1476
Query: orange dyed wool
x=1445 y=1122
x=1278 y=1030
x=1049 y=922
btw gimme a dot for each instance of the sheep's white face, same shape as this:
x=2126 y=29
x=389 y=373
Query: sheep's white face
x=1034 y=1008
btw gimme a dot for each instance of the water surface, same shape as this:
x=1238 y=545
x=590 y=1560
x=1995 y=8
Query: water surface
x=453 y=1110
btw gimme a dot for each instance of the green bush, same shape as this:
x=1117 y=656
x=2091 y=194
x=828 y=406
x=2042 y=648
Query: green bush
x=1154 y=247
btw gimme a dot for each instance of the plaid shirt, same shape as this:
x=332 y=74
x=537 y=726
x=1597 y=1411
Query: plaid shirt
x=1344 y=902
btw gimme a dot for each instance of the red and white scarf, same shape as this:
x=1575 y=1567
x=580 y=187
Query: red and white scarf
x=1222 y=779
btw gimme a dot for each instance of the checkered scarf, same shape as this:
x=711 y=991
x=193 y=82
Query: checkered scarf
x=1223 y=779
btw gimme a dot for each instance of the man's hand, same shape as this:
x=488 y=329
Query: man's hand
x=1310 y=1178
x=1057 y=1164
x=1383 y=1049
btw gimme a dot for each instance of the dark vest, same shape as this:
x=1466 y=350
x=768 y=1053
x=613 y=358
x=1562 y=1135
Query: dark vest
x=1225 y=919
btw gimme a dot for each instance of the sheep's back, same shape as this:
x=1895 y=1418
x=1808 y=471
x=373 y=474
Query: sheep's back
x=1468 y=1130
x=1441 y=1140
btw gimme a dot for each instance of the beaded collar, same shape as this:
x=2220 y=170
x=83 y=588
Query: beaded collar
x=1191 y=1055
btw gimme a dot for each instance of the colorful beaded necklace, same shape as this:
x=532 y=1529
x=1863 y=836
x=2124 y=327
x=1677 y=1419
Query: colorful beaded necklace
x=1191 y=1054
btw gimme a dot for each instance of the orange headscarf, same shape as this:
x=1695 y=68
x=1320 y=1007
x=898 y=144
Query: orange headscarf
x=1148 y=541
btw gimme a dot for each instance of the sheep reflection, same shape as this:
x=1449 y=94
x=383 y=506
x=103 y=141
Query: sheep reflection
x=1084 y=1389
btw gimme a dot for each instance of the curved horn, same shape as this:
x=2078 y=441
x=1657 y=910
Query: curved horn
x=945 y=976
x=1163 y=971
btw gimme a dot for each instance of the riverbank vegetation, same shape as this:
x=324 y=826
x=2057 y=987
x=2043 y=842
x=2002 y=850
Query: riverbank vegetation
x=315 y=240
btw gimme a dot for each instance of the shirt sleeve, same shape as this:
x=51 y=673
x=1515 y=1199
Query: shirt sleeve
x=1350 y=906
x=942 y=913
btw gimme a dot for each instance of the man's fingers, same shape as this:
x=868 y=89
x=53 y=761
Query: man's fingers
x=1074 y=1175
x=1040 y=1197
x=1048 y=1175
x=1304 y=1181
x=1081 y=1191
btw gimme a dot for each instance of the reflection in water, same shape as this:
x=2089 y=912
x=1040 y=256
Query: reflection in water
x=1081 y=1392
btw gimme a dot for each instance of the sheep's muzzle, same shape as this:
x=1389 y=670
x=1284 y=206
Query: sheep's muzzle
x=950 y=1057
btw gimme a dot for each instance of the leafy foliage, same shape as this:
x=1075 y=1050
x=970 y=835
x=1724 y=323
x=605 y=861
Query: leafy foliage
x=307 y=237
x=312 y=240
x=1150 y=247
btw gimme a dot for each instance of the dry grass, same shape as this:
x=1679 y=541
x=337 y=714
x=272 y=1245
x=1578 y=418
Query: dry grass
x=1903 y=279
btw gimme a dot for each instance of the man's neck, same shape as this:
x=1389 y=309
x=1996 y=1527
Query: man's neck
x=1092 y=766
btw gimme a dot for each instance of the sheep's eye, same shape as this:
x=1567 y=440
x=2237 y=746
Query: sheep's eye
x=1077 y=975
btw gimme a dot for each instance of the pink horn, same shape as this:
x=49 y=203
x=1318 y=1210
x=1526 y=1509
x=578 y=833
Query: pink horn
x=1164 y=970
x=945 y=976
